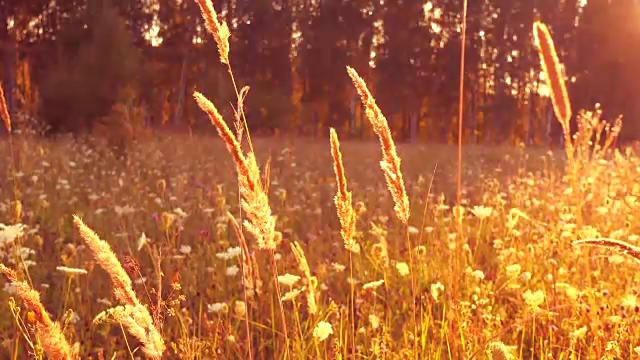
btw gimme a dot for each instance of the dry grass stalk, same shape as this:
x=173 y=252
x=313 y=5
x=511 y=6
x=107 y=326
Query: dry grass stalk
x=4 y=111
x=255 y=202
x=343 y=200
x=312 y=282
x=238 y=113
x=390 y=163
x=618 y=245
x=250 y=275
x=51 y=338
x=219 y=30
x=551 y=67
x=139 y=322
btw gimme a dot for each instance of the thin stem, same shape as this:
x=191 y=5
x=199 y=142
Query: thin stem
x=463 y=42
x=244 y=118
x=246 y=318
x=413 y=291
x=353 y=307
x=277 y=287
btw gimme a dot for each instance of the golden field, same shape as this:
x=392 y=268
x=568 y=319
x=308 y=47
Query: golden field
x=508 y=275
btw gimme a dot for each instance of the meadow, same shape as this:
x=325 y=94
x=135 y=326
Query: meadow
x=510 y=277
x=232 y=247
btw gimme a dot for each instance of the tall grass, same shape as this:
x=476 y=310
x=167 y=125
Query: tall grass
x=198 y=266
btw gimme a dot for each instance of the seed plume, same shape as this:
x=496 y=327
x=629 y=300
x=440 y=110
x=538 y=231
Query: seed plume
x=51 y=337
x=255 y=202
x=312 y=282
x=390 y=163
x=219 y=30
x=139 y=321
x=552 y=69
x=343 y=200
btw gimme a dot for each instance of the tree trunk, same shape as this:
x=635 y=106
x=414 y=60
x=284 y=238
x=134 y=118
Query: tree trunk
x=181 y=91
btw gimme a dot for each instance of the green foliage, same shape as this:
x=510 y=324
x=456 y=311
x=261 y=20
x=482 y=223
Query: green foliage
x=84 y=85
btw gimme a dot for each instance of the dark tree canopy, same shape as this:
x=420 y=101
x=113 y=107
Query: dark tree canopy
x=293 y=54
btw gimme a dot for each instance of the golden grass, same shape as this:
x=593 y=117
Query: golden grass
x=255 y=202
x=555 y=77
x=343 y=201
x=49 y=333
x=510 y=251
x=134 y=316
x=4 y=111
x=220 y=31
x=522 y=291
x=390 y=163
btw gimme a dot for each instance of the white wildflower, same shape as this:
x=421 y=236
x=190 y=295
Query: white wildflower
x=232 y=270
x=71 y=271
x=322 y=331
x=288 y=279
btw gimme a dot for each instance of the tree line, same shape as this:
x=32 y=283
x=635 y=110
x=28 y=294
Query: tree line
x=75 y=63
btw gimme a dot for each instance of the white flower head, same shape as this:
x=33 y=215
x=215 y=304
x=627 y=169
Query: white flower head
x=8 y=233
x=142 y=241
x=373 y=285
x=322 y=331
x=232 y=270
x=288 y=279
x=71 y=271
x=231 y=253
x=217 y=308
x=403 y=269
x=185 y=249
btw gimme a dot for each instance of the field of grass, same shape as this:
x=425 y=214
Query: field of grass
x=207 y=249
x=508 y=275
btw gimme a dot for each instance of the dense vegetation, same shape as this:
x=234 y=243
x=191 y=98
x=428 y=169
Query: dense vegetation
x=292 y=54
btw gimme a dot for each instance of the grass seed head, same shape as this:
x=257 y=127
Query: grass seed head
x=553 y=71
x=219 y=30
x=390 y=163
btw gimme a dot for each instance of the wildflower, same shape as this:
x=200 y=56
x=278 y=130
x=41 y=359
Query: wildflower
x=8 y=233
x=478 y=274
x=232 y=270
x=123 y=210
x=185 y=249
x=630 y=301
x=288 y=279
x=322 y=331
x=616 y=259
x=572 y=293
x=9 y=288
x=413 y=230
x=142 y=241
x=71 y=271
x=218 y=308
x=337 y=267
x=403 y=269
x=578 y=333
x=436 y=289
x=482 y=212
x=231 y=253
x=373 y=285
x=534 y=299
x=374 y=320
x=513 y=270
x=240 y=308
x=291 y=295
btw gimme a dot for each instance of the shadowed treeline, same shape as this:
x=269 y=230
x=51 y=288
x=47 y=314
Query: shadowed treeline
x=72 y=63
